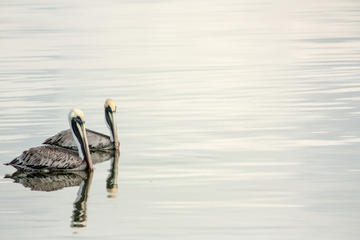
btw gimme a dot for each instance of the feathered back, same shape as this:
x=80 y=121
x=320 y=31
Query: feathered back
x=49 y=158
x=97 y=141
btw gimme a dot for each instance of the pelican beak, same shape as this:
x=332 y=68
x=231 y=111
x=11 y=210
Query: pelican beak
x=77 y=126
x=87 y=155
x=110 y=117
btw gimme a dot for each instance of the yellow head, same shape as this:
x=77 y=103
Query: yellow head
x=109 y=103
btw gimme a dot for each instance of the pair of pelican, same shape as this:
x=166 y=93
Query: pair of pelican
x=59 y=151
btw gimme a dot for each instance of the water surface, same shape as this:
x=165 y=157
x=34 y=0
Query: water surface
x=237 y=119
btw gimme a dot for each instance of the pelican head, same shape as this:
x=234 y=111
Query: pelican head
x=77 y=126
x=110 y=119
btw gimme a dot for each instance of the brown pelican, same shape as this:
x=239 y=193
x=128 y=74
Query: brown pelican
x=97 y=141
x=53 y=158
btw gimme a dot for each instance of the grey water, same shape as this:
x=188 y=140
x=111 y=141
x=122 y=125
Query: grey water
x=237 y=119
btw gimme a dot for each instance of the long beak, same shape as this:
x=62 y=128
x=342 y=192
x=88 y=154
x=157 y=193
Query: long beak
x=87 y=155
x=110 y=118
x=114 y=131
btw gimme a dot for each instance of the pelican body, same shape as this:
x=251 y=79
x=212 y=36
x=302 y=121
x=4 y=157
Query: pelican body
x=97 y=141
x=54 y=158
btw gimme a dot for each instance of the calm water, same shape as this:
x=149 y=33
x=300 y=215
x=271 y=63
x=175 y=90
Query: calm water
x=237 y=119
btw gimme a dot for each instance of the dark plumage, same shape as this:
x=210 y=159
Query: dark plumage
x=97 y=141
x=53 y=158
x=48 y=158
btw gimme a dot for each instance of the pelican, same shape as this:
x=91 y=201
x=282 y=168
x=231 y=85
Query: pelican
x=54 y=158
x=97 y=141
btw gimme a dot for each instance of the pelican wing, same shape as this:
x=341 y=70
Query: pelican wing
x=50 y=158
x=96 y=140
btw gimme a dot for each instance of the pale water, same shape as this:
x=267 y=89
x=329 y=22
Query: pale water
x=237 y=119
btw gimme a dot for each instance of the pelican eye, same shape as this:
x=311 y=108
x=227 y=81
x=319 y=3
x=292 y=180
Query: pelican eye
x=78 y=120
x=108 y=108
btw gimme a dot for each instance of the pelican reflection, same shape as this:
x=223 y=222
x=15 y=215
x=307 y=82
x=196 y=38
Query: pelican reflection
x=111 y=181
x=54 y=181
x=79 y=216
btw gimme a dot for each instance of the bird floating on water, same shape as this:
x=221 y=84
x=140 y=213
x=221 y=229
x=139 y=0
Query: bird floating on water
x=54 y=181
x=54 y=158
x=97 y=141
